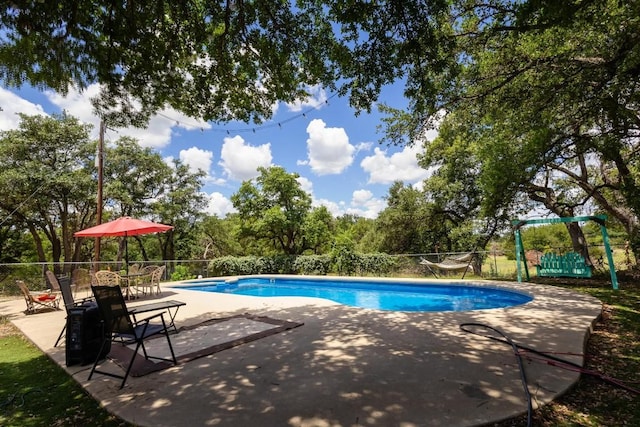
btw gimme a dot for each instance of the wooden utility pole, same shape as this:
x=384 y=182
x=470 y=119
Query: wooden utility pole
x=100 y=166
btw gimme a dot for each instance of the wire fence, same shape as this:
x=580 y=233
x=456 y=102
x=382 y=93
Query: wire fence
x=502 y=264
x=494 y=264
x=34 y=273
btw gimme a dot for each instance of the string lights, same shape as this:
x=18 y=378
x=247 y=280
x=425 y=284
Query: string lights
x=253 y=129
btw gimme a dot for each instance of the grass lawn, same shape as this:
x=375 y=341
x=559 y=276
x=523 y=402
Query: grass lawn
x=613 y=350
x=34 y=391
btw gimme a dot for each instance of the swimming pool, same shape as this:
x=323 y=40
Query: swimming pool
x=379 y=295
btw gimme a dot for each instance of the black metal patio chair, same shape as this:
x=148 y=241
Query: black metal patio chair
x=119 y=328
x=64 y=287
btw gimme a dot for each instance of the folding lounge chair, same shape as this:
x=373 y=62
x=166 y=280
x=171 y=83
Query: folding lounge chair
x=54 y=285
x=37 y=300
x=119 y=328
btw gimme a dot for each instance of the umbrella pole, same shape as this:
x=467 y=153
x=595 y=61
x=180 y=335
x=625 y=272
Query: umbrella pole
x=126 y=254
x=97 y=253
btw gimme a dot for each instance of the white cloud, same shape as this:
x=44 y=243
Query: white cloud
x=360 y=197
x=219 y=205
x=364 y=213
x=333 y=207
x=328 y=149
x=240 y=161
x=364 y=146
x=316 y=99
x=157 y=134
x=305 y=184
x=418 y=185
x=13 y=104
x=400 y=166
x=364 y=204
x=197 y=159
x=430 y=133
x=78 y=104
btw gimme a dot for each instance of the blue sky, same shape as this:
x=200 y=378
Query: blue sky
x=336 y=152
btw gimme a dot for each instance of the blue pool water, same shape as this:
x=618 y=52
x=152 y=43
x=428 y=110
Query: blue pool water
x=376 y=295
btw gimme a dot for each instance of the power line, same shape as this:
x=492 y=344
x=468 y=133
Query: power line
x=23 y=202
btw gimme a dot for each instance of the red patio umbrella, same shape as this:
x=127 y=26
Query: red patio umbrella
x=124 y=226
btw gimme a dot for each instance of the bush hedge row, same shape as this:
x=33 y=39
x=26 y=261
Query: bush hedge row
x=343 y=263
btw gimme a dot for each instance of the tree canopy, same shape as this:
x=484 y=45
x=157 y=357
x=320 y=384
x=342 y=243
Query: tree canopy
x=275 y=209
x=48 y=187
x=543 y=96
x=213 y=60
x=46 y=183
x=537 y=101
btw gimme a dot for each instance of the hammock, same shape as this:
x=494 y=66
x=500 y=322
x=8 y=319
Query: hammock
x=448 y=264
x=462 y=258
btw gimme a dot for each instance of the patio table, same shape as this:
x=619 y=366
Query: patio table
x=131 y=279
x=161 y=305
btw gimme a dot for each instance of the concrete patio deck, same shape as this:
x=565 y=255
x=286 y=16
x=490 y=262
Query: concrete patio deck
x=345 y=366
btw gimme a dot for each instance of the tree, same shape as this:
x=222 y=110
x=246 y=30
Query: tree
x=139 y=183
x=46 y=181
x=343 y=255
x=318 y=230
x=533 y=85
x=14 y=245
x=210 y=59
x=402 y=224
x=362 y=231
x=180 y=204
x=419 y=221
x=276 y=209
x=214 y=60
x=134 y=177
x=219 y=237
x=541 y=89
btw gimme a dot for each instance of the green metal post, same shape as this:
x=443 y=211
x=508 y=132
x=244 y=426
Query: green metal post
x=518 y=250
x=607 y=248
x=599 y=219
x=526 y=266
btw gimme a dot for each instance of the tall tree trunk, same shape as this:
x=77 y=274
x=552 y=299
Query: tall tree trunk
x=547 y=197
x=67 y=238
x=38 y=241
x=578 y=241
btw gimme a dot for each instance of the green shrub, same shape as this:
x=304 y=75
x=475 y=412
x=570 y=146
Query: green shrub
x=377 y=264
x=345 y=261
x=312 y=264
x=278 y=264
x=181 y=272
x=240 y=266
x=225 y=266
x=31 y=274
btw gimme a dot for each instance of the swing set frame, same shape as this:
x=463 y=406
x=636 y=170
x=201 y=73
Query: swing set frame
x=598 y=219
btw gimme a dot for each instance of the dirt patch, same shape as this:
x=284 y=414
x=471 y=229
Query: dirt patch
x=6 y=328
